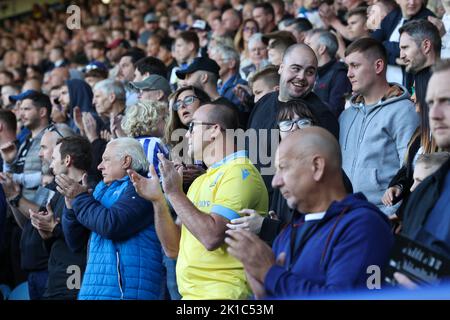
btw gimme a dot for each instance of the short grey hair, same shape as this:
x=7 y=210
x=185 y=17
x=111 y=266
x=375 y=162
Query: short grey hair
x=228 y=53
x=133 y=148
x=327 y=39
x=63 y=130
x=109 y=86
x=257 y=37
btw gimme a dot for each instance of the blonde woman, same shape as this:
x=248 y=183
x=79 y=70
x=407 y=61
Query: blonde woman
x=144 y=121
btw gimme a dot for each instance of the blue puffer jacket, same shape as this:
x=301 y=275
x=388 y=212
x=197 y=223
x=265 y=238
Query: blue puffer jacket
x=124 y=254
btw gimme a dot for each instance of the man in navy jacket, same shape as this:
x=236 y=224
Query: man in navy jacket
x=334 y=239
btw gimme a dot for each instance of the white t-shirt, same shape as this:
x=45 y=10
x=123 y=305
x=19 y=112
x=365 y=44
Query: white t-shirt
x=445 y=51
x=394 y=72
x=314 y=216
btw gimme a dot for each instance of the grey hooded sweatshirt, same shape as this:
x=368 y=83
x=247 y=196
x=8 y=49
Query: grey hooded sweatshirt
x=374 y=139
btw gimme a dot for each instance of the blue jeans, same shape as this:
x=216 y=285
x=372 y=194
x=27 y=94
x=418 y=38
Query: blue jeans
x=37 y=283
x=171 y=276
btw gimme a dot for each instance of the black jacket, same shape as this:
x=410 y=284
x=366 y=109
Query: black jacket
x=332 y=85
x=60 y=258
x=418 y=207
x=404 y=176
x=264 y=116
x=388 y=25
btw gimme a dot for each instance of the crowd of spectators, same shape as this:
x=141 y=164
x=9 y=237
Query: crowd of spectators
x=222 y=149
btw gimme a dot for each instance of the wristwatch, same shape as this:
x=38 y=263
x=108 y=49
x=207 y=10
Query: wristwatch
x=14 y=202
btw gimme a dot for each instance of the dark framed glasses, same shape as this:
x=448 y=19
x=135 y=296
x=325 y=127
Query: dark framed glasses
x=52 y=128
x=187 y=101
x=192 y=125
x=287 y=125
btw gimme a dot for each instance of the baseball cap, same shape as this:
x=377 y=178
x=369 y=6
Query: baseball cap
x=201 y=25
x=151 y=17
x=152 y=82
x=200 y=63
x=94 y=65
x=22 y=96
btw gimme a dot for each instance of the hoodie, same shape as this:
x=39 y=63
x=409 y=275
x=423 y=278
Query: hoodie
x=374 y=139
x=335 y=252
x=80 y=94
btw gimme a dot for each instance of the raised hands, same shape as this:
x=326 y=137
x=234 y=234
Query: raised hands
x=8 y=151
x=70 y=188
x=251 y=221
x=44 y=222
x=10 y=187
x=147 y=188
x=90 y=126
x=172 y=179
x=256 y=256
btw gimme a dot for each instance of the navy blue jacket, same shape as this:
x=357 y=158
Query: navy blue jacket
x=388 y=25
x=336 y=252
x=332 y=85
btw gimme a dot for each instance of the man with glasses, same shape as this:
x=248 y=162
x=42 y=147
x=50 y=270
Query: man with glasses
x=204 y=268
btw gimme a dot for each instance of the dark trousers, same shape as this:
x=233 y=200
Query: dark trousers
x=37 y=283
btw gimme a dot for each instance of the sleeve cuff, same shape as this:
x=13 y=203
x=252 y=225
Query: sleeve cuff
x=271 y=279
x=224 y=212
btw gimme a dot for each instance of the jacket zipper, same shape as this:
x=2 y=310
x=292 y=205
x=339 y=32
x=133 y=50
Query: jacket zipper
x=118 y=275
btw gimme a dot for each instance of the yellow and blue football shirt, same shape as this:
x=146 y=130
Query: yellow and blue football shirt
x=226 y=188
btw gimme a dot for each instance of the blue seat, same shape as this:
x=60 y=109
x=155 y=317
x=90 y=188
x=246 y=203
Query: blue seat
x=5 y=290
x=20 y=292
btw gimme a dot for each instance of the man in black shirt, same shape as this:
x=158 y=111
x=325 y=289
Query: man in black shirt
x=72 y=157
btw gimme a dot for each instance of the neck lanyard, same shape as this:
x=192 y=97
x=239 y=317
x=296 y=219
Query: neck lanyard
x=295 y=251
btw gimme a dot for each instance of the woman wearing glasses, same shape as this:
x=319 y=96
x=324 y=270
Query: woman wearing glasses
x=248 y=28
x=292 y=116
x=183 y=103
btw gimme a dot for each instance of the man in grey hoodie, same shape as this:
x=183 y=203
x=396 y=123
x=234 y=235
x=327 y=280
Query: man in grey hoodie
x=376 y=128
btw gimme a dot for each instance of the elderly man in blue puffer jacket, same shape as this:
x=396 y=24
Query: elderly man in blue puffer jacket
x=124 y=253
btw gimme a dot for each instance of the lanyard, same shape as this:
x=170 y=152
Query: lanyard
x=295 y=251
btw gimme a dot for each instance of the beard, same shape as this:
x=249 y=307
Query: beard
x=45 y=169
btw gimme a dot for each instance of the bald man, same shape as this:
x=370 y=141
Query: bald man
x=297 y=77
x=333 y=237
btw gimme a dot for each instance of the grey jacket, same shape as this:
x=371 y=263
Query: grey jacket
x=374 y=140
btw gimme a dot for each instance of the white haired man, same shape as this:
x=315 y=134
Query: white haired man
x=124 y=253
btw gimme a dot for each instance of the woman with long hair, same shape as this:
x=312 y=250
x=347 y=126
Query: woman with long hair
x=183 y=103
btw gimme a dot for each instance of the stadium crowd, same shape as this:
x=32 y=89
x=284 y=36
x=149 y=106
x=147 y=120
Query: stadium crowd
x=215 y=149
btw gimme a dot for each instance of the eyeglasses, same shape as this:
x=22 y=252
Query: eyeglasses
x=287 y=125
x=192 y=125
x=250 y=29
x=52 y=128
x=187 y=101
